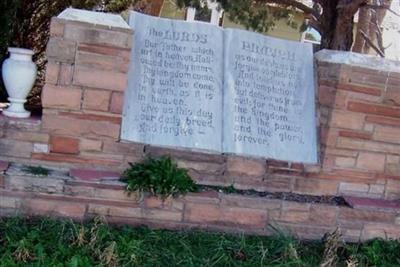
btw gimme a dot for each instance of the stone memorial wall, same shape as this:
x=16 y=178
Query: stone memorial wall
x=79 y=138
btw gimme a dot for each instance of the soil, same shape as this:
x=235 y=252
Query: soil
x=330 y=200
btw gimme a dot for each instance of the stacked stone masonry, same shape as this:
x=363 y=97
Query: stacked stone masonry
x=358 y=109
x=82 y=195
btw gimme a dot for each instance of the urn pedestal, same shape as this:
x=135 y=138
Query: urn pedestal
x=19 y=75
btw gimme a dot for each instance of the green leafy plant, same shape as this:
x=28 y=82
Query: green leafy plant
x=36 y=170
x=159 y=176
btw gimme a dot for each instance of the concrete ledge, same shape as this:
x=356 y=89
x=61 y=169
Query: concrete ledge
x=92 y=17
x=358 y=60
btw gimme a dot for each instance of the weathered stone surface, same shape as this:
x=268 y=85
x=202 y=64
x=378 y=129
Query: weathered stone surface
x=208 y=213
x=32 y=183
x=14 y=148
x=61 y=97
x=109 y=80
x=347 y=120
x=66 y=74
x=66 y=125
x=244 y=166
x=3 y=165
x=90 y=144
x=315 y=186
x=371 y=161
x=55 y=208
x=92 y=17
x=117 y=101
x=61 y=50
x=92 y=35
x=96 y=100
x=63 y=144
x=90 y=175
x=52 y=71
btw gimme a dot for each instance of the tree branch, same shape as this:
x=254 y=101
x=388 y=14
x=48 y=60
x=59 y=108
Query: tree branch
x=387 y=7
x=306 y=9
x=351 y=5
x=371 y=44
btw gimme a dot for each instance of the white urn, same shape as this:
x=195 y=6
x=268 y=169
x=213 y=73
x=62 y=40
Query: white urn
x=19 y=74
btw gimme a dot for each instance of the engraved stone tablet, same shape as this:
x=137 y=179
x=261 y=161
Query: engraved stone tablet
x=269 y=98
x=174 y=93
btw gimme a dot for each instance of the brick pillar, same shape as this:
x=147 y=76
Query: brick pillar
x=359 y=99
x=82 y=98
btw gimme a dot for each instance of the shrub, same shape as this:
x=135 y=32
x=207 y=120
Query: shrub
x=160 y=176
x=36 y=170
x=8 y=11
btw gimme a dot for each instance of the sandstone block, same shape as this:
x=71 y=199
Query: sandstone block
x=243 y=166
x=63 y=144
x=55 y=208
x=356 y=134
x=383 y=120
x=52 y=71
x=366 y=216
x=371 y=161
x=203 y=167
x=66 y=74
x=387 y=134
x=392 y=189
x=100 y=79
x=345 y=162
x=234 y=216
x=105 y=50
x=88 y=128
x=35 y=137
x=364 y=145
x=102 y=62
x=323 y=215
x=92 y=35
x=10 y=202
x=374 y=109
x=61 y=50
x=345 y=187
x=117 y=102
x=56 y=27
x=34 y=184
x=315 y=186
x=106 y=210
x=90 y=145
x=15 y=148
x=347 y=120
x=162 y=215
x=96 y=100
x=61 y=97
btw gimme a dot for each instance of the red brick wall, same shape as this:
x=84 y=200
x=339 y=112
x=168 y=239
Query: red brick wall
x=86 y=76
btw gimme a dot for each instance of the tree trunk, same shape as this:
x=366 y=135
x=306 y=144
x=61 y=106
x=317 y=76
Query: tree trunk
x=369 y=23
x=364 y=18
x=337 y=22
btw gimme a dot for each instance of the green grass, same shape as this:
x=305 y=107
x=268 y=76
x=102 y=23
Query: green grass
x=47 y=242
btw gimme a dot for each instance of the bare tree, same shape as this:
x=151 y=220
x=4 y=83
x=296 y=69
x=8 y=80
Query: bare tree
x=333 y=19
